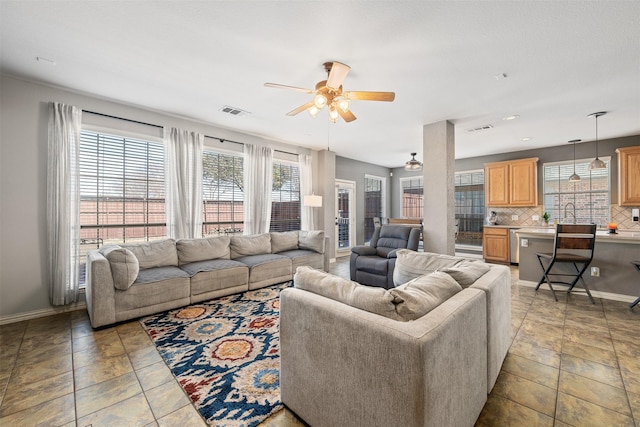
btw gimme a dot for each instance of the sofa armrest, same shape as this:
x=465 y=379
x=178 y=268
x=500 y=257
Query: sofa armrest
x=496 y=283
x=364 y=250
x=100 y=290
x=429 y=372
x=393 y=254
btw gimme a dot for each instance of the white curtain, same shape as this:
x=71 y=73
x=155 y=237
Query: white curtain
x=183 y=182
x=63 y=203
x=306 y=188
x=258 y=177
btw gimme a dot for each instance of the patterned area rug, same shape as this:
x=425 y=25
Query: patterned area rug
x=226 y=354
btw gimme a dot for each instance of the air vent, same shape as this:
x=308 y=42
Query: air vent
x=234 y=111
x=479 y=129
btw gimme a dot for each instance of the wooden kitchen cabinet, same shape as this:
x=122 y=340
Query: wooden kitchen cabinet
x=512 y=183
x=629 y=176
x=495 y=245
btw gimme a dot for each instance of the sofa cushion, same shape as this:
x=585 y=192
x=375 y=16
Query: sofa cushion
x=250 y=245
x=124 y=265
x=210 y=265
x=372 y=299
x=311 y=240
x=300 y=257
x=421 y=295
x=161 y=253
x=285 y=241
x=194 y=250
x=466 y=272
x=266 y=267
x=158 y=274
x=411 y=264
x=372 y=264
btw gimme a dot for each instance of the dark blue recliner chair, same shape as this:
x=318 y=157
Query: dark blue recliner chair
x=373 y=265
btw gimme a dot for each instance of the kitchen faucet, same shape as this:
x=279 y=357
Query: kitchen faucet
x=564 y=218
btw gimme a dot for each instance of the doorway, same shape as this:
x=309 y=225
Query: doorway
x=345 y=216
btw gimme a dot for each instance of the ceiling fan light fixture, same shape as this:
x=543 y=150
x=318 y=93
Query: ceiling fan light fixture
x=344 y=104
x=413 y=164
x=313 y=111
x=320 y=101
x=333 y=114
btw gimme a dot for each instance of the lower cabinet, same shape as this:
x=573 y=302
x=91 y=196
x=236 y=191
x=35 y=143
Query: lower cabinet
x=495 y=245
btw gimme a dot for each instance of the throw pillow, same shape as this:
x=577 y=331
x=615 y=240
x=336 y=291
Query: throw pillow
x=257 y=244
x=285 y=241
x=194 y=250
x=311 y=240
x=411 y=264
x=369 y=298
x=124 y=265
x=466 y=272
x=421 y=295
x=160 y=253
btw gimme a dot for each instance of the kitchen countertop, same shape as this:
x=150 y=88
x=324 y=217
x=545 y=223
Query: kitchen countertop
x=621 y=236
x=504 y=226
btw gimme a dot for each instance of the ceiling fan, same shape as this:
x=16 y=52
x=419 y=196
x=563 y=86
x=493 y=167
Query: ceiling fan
x=329 y=93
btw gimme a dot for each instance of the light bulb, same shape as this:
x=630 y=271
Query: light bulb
x=344 y=104
x=320 y=101
x=333 y=114
x=313 y=111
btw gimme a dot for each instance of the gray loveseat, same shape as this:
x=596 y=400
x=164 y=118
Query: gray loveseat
x=425 y=353
x=133 y=280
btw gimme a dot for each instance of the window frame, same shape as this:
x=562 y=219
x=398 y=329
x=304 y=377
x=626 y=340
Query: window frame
x=556 y=212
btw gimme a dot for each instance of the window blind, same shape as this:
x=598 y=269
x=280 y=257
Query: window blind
x=285 y=197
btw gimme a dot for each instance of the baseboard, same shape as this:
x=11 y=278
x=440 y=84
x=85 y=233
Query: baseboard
x=332 y=260
x=597 y=294
x=20 y=317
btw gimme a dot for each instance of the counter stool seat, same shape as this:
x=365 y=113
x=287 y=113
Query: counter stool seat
x=573 y=244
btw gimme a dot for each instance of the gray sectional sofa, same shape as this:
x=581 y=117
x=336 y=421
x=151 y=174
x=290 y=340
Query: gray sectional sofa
x=425 y=353
x=133 y=280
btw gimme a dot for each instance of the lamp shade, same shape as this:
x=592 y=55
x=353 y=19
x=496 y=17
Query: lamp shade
x=312 y=201
x=413 y=164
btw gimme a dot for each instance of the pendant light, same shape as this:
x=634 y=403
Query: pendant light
x=575 y=177
x=597 y=163
x=413 y=164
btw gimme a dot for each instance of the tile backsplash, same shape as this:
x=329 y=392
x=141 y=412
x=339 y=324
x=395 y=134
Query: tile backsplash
x=622 y=215
x=619 y=214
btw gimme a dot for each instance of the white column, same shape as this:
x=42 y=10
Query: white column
x=438 y=147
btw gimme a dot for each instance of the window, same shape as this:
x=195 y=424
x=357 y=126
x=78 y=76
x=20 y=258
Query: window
x=585 y=201
x=222 y=194
x=121 y=191
x=373 y=203
x=285 y=197
x=411 y=191
x=469 y=209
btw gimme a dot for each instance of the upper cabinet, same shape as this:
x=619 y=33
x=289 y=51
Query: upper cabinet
x=629 y=176
x=512 y=183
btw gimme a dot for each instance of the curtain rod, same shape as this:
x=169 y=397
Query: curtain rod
x=222 y=140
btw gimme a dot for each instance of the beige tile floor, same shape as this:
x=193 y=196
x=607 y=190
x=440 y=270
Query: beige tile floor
x=571 y=363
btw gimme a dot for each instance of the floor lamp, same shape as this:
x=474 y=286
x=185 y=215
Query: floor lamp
x=312 y=201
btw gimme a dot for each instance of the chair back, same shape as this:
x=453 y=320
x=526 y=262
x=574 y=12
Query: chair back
x=389 y=237
x=575 y=237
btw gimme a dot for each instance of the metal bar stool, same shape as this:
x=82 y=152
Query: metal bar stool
x=573 y=244
x=636 y=264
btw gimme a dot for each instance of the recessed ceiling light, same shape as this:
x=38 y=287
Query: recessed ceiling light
x=526 y=138
x=513 y=117
x=45 y=60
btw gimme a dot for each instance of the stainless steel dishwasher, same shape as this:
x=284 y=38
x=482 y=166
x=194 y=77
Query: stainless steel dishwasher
x=514 y=247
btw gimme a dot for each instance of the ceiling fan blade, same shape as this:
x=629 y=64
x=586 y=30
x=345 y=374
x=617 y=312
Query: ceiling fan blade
x=300 y=109
x=278 y=86
x=348 y=116
x=337 y=74
x=371 y=96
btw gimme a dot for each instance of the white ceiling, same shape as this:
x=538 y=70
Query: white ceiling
x=563 y=61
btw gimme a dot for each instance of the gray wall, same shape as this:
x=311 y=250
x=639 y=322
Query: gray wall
x=23 y=182
x=354 y=170
x=558 y=153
